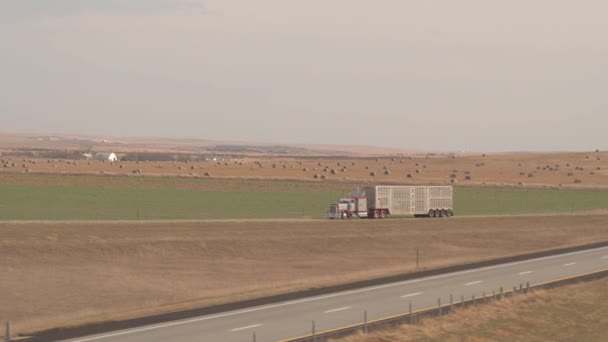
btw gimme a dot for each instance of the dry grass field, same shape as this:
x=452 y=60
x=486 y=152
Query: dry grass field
x=577 y=312
x=586 y=170
x=54 y=274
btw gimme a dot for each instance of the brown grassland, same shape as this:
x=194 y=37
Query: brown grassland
x=577 y=312
x=78 y=272
x=589 y=169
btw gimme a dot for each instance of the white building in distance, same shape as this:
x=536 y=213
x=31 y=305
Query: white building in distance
x=111 y=157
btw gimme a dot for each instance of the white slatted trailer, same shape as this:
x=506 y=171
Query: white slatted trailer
x=384 y=200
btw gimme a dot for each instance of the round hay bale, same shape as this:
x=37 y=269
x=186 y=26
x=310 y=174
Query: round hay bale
x=305 y=169
x=207 y=174
x=570 y=174
x=578 y=181
x=418 y=171
x=316 y=176
x=453 y=181
x=387 y=172
x=333 y=172
x=409 y=175
x=373 y=173
x=530 y=175
x=453 y=175
x=467 y=178
x=323 y=177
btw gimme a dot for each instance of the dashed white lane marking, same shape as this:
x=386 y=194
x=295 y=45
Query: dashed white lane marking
x=412 y=294
x=340 y=309
x=474 y=283
x=247 y=327
x=569 y=264
x=526 y=272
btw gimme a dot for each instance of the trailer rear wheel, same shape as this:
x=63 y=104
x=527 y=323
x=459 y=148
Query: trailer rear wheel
x=450 y=213
x=431 y=213
x=376 y=214
x=383 y=214
x=444 y=213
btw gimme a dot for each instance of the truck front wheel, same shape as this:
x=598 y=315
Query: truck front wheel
x=344 y=215
x=383 y=214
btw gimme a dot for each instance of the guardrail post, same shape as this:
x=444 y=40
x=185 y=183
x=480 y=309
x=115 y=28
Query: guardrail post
x=254 y=339
x=484 y=297
x=451 y=301
x=501 y=293
x=9 y=333
x=365 y=321
x=314 y=332
x=514 y=289
x=473 y=299
x=494 y=294
x=462 y=300
x=527 y=287
x=521 y=287
x=439 y=305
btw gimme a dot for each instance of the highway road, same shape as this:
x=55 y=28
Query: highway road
x=294 y=318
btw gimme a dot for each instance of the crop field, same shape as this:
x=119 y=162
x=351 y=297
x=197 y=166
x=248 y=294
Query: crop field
x=63 y=197
x=577 y=312
x=57 y=272
x=579 y=170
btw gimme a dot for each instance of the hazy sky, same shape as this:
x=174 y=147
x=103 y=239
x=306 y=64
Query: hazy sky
x=450 y=75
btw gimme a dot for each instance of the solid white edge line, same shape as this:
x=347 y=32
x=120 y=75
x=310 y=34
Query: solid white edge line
x=569 y=264
x=247 y=327
x=474 y=282
x=339 y=309
x=526 y=272
x=305 y=300
x=412 y=294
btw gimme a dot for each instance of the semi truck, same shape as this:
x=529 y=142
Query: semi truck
x=380 y=201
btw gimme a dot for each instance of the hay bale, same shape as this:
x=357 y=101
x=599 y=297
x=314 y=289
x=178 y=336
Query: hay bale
x=409 y=175
x=530 y=175
x=578 y=181
x=316 y=176
x=305 y=169
x=570 y=174
x=418 y=171
x=192 y=167
x=373 y=173
x=453 y=175
x=453 y=181
x=323 y=177
x=467 y=178
x=387 y=172
x=522 y=173
x=333 y=171
x=206 y=174
x=122 y=166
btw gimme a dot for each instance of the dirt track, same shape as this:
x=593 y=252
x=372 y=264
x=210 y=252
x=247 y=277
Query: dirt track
x=81 y=272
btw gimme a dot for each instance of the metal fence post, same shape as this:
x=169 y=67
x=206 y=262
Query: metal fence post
x=514 y=289
x=439 y=305
x=494 y=294
x=411 y=314
x=484 y=296
x=521 y=287
x=462 y=300
x=365 y=321
x=314 y=332
x=254 y=339
x=501 y=292
x=527 y=287
x=473 y=299
x=451 y=301
x=9 y=333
